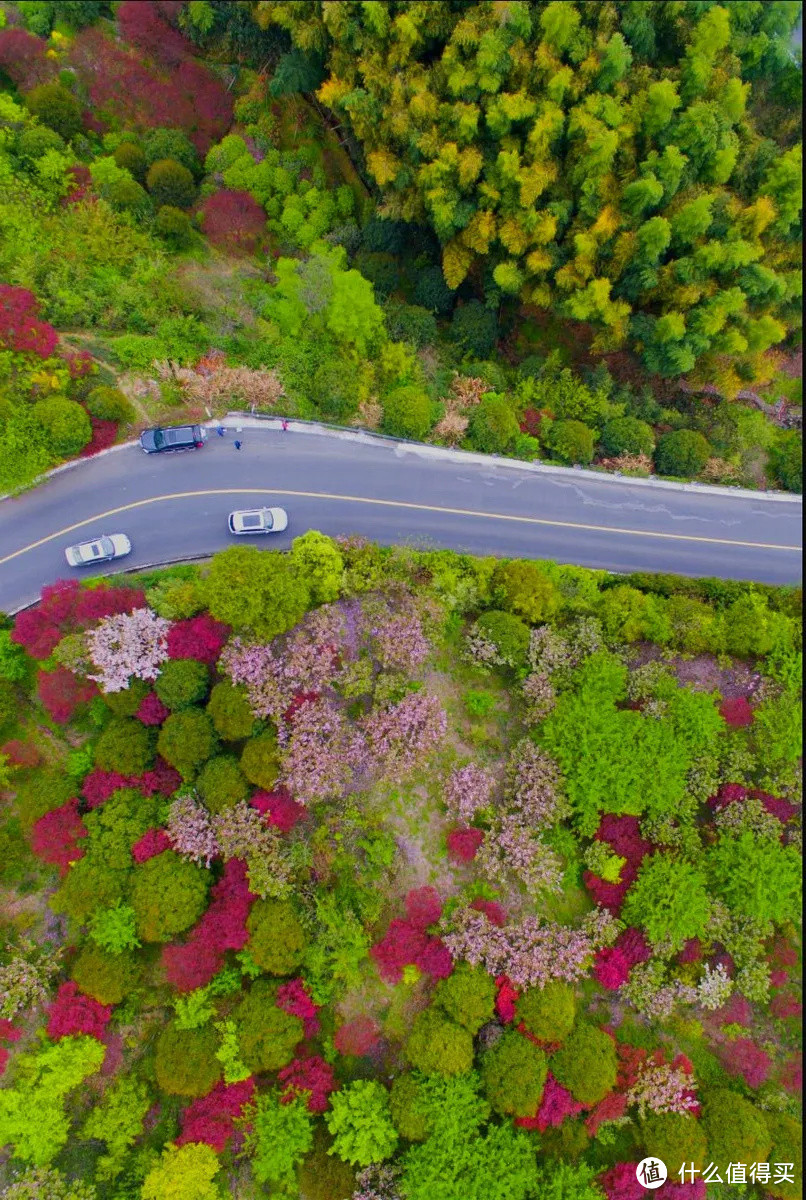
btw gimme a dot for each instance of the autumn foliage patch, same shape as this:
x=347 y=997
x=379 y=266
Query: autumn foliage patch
x=56 y=837
x=73 y=1013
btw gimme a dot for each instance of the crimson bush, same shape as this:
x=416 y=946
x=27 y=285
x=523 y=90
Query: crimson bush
x=233 y=220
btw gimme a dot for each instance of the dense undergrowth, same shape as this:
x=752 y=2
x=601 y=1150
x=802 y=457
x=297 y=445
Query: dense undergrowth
x=193 y=227
x=397 y=875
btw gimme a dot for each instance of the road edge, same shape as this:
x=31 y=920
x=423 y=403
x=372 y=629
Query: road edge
x=445 y=453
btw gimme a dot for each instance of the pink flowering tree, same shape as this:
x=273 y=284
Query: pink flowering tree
x=322 y=752
x=402 y=736
x=662 y=1088
x=191 y=832
x=468 y=790
x=534 y=787
x=126 y=645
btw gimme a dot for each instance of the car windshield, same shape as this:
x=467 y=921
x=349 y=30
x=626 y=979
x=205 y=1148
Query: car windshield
x=159 y=438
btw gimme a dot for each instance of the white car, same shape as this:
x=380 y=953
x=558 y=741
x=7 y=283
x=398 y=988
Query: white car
x=258 y=520
x=99 y=550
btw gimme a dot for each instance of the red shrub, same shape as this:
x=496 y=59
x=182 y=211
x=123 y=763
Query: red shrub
x=624 y=835
x=20 y=331
x=152 y=843
x=783 y=951
x=423 y=907
x=162 y=778
x=621 y=1183
x=463 y=844
x=792 y=1075
x=782 y=809
x=436 y=959
x=233 y=220
x=358 y=1036
x=293 y=998
x=79 y=363
x=691 y=952
x=742 y=1057
x=97 y=786
x=736 y=712
x=728 y=793
x=683 y=1191
x=72 y=1012
x=191 y=965
x=530 y=422
x=3 y=1059
x=556 y=1104
x=21 y=754
x=152 y=711
x=61 y=692
x=279 y=808
x=495 y=913
x=607 y=895
x=55 y=837
x=9 y=1031
x=93 y=604
x=104 y=435
x=141 y=24
x=778 y=977
x=612 y=968
x=36 y=632
x=401 y=946
x=506 y=998
x=308 y=1076
x=22 y=57
x=611 y=1108
x=785 y=1005
x=199 y=637
x=79 y=180
x=211 y=1118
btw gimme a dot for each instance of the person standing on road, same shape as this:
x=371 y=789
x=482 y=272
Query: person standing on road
x=284 y=424
x=237 y=444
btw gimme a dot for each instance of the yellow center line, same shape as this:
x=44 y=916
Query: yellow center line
x=404 y=504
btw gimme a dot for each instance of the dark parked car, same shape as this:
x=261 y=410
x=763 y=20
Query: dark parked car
x=173 y=437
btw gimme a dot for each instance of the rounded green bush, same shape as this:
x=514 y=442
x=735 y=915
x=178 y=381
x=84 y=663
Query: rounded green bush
x=182 y=682
x=127 y=195
x=66 y=424
x=56 y=107
x=467 y=996
x=786 y=458
x=127 y=702
x=230 y=712
x=675 y=1138
x=267 y=1036
x=432 y=293
x=548 y=1013
x=33 y=143
x=276 y=937
x=109 y=404
x=125 y=746
x=131 y=158
x=524 y=589
x=171 y=144
x=627 y=435
x=735 y=1129
x=514 y=1074
x=411 y=323
x=787 y=1146
x=493 y=425
x=586 y=1064
x=221 y=783
x=571 y=442
x=475 y=329
x=185 y=1063
x=186 y=740
x=410 y=1122
x=108 y=978
x=407 y=412
x=168 y=895
x=508 y=633
x=170 y=183
x=682 y=452
x=174 y=225
x=259 y=760
x=438 y=1046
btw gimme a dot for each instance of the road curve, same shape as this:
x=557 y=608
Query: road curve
x=174 y=506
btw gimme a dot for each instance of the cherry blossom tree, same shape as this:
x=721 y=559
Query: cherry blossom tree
x=126 y=645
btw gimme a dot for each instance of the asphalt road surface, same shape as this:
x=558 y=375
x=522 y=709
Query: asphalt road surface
x=176 y=505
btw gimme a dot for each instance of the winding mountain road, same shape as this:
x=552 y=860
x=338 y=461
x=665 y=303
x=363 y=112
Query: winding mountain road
x=175 y=506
